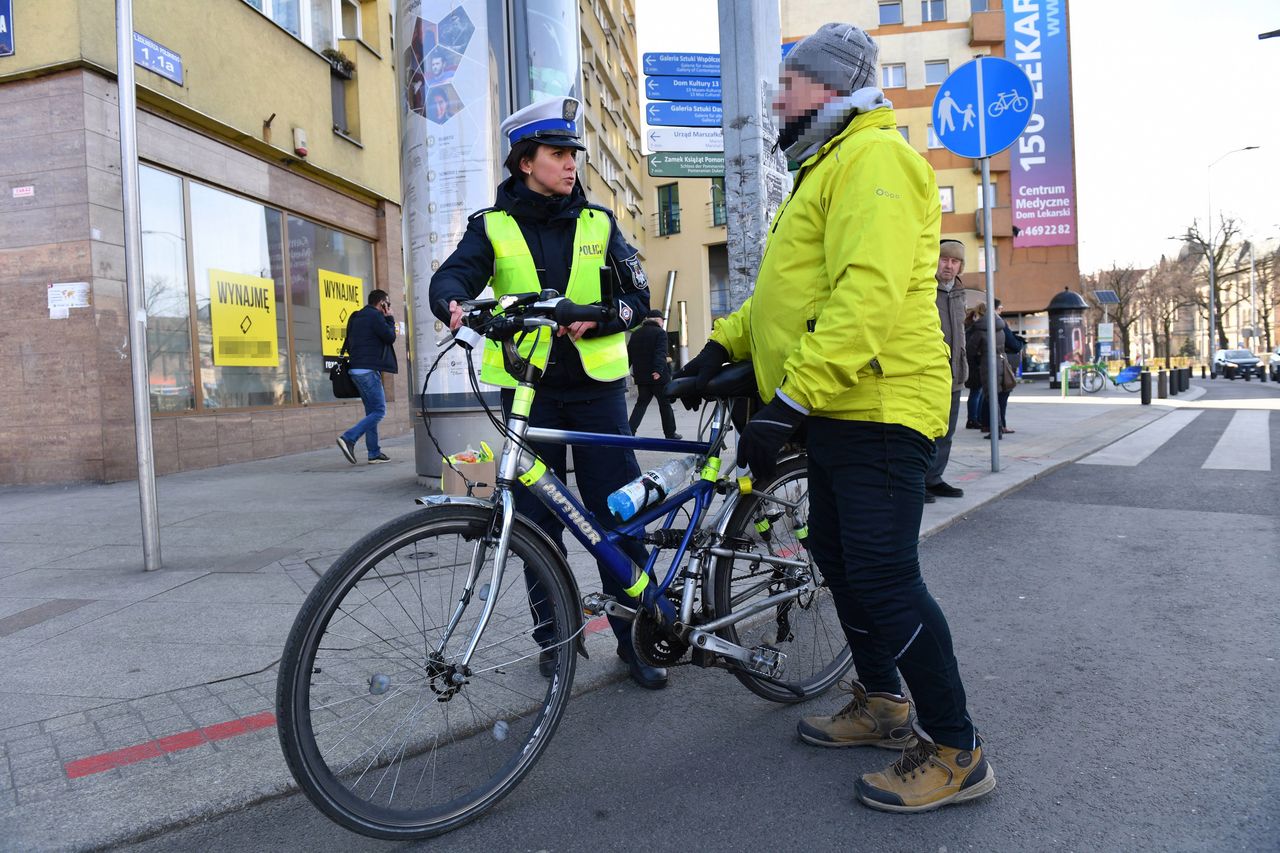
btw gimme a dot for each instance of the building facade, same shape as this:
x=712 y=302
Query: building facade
x=921 y=42
x=269 y=182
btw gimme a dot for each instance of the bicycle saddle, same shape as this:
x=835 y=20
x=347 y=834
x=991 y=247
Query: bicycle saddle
x=736 y=380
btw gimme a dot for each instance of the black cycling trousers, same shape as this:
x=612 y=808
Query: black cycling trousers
x=866 y=497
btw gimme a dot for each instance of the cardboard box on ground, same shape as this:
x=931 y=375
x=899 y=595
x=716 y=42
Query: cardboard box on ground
x=478 y=466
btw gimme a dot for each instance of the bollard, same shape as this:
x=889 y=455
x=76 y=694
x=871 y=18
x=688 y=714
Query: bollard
x=1173 y=382
x=1146 y=387
x=1162 y=385
x=1186 y=379
x=1202 y=372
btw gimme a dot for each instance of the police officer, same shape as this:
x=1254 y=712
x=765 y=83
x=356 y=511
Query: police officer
x=542 y=233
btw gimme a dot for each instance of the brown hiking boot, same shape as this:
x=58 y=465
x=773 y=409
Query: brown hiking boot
x=927 y=776
x=870 y=719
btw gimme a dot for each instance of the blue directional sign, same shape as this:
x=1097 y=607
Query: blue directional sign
x=982 y=107
x=684 y=114
x=682 y=88
x=684 y=64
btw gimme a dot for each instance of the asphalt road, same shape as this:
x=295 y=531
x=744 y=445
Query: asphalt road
x=1117 y=630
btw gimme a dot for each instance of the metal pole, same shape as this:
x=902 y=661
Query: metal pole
x=993 y=381
x=133 y=286
x=1253 y=298
x=1213 y=268
x=666 y=303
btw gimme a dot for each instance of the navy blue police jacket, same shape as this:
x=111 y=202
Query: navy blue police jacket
x=370 y=334
x=548 y=224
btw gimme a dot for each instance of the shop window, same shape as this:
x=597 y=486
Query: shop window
x=164 y=281
x=668 y=210
x=330 y=277
x=238 y=279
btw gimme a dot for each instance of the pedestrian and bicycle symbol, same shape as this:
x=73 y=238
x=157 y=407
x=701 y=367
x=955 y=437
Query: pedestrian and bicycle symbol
x=982 y=107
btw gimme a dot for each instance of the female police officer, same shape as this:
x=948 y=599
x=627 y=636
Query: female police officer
x=541 y=233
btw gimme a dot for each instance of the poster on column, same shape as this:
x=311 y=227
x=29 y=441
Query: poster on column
x=340 y=297
x=1042 y=171
x=242 y=311
x=449 y=153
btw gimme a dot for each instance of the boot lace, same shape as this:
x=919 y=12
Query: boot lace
x=914 y=757
x=857 y=702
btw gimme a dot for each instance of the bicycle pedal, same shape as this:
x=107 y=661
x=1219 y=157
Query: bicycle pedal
x=766 y=660
x=596 y=603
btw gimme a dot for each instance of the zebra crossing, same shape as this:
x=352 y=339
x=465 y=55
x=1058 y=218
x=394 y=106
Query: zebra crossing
x=1244 y=445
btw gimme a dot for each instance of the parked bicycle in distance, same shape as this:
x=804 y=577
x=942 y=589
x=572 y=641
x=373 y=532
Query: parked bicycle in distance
x=410 y=697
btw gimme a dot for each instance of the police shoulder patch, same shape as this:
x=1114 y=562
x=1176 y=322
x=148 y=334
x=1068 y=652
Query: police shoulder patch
x=637 y=272
x=624 y=313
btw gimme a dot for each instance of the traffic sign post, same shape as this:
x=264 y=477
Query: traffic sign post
x=981 y=109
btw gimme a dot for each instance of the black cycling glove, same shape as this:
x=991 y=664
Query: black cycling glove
x=702 y=367
x=762 y=440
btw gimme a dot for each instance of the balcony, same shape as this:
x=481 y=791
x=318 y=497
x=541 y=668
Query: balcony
x=986 y=28
x=1001 y=222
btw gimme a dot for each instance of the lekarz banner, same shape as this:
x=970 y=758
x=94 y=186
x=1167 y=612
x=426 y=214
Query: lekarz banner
x=1042 y=177
x=6 y=27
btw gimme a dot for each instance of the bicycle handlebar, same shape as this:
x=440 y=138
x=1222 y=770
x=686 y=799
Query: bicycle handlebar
x=525 y=313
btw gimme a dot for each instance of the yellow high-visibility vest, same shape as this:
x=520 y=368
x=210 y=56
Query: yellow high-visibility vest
x=603 y=358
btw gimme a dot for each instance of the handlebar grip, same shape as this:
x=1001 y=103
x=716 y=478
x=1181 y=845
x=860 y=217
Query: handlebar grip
x=567 y=312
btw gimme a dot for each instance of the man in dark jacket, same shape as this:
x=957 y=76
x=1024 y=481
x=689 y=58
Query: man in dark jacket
x=951 y=312
x=543 y=234
x=647 y=351
x=370 y=333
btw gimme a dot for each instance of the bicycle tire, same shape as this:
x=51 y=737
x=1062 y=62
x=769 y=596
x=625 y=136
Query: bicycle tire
x=1131 y=386
x=1091 y=381
x=358 y=699
x=806 y=629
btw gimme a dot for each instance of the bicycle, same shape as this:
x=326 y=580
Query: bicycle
x=1094 y=377
x=410 y=698
x=1007 y=101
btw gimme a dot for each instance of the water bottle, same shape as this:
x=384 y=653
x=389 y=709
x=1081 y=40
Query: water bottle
x=651 y=487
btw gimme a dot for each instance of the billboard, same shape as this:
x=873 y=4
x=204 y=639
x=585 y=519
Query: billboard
x=1042 y=174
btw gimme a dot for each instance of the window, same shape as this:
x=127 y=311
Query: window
x=891 y=13
x=933 y=10
x=947 y=198
x=935 y=72
x=668 y=209
x=338 y=100
x=893 y=76
x=978 y=5
x=168 y=305
x=349 y=18
x=250 y=344
x=934 y=141
x=311 y=21
x=993 y=196
x=718 y=216
x=905 y=131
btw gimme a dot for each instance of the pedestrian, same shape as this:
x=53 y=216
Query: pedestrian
x=370 y=333
x=647 y=351
x=542 y=233
x=1006 y=379
x=844 y=334
x=950 y=301
x=973 y=329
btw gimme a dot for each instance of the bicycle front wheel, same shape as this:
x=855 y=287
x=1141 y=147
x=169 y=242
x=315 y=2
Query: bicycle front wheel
x=382 y=727
x=1131 y=386
x=806 y=628
x=1092 y=381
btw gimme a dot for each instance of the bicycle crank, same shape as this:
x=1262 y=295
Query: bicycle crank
x=654 y=643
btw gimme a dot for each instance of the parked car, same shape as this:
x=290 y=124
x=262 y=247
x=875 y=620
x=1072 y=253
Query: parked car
x=1233 y=363
x=1275 y=365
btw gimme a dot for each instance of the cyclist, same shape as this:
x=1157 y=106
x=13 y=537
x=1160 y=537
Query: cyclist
x=542 y=233
x=845 y=337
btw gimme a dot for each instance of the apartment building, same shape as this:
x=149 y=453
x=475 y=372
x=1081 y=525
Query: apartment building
x=269 y=165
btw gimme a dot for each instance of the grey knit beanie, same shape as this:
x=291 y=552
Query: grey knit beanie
x=839 y=56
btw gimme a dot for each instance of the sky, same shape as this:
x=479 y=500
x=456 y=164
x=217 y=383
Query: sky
x=1160 y=91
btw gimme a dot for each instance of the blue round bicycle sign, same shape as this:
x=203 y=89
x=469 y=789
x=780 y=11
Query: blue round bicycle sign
x=982 y=107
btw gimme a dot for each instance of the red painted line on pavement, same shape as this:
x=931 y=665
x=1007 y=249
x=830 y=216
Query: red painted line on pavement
x=170 y=743
x=596 y=625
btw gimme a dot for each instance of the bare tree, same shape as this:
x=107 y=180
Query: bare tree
x=1228 y=230
x=1167 y=288
x=1126 y=282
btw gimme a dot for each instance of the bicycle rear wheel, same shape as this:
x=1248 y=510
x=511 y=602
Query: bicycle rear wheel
x=1091 y=381
x=1131 y=386
x=384 y=732
x=806 y=628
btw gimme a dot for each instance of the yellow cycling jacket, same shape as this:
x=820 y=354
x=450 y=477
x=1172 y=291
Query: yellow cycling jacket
x=843 y=318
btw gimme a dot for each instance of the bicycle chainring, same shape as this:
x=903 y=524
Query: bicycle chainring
x=653 y=643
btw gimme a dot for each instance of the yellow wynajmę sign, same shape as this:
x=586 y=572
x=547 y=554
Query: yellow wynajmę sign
x=340 y=297
x=242 y=309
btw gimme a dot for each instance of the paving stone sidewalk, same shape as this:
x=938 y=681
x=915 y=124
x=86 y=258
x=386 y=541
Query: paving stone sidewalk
x=136 y=701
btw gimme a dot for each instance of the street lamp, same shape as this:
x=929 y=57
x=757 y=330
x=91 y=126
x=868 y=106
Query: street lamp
x=1213 y=260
